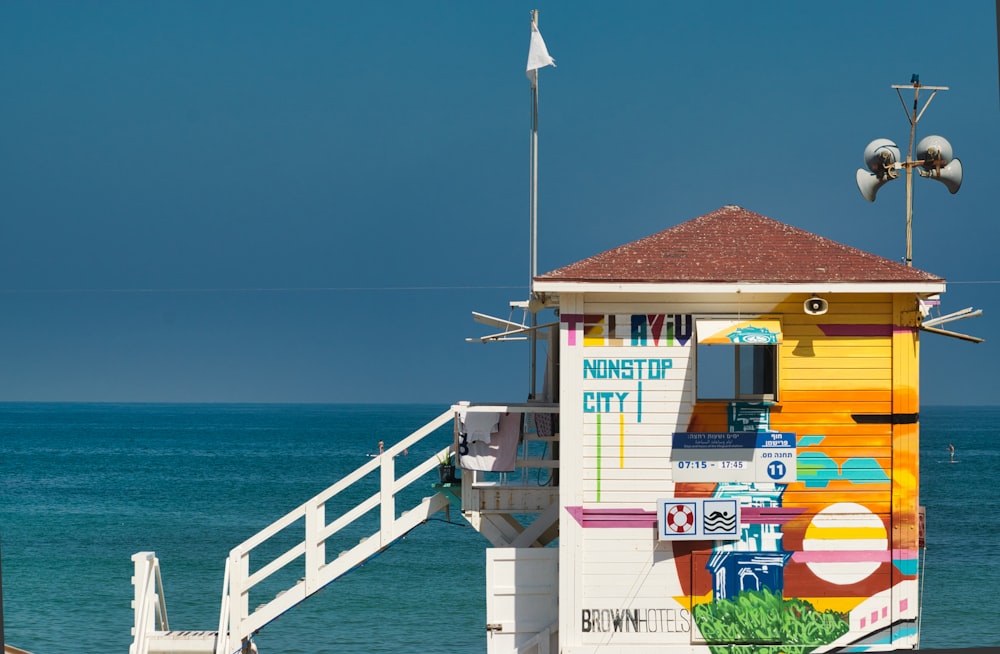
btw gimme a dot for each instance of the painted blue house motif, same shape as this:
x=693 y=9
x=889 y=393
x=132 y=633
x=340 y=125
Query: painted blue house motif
x=757 y=560
x=750 y=416
x=753 y=336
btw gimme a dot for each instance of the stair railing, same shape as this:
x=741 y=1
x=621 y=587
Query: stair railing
x=222 y=635
x=238 y=623
x=148 y=603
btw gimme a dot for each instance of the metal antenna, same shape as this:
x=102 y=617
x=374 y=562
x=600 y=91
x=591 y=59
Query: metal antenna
x=934 y=158
x=909 y=164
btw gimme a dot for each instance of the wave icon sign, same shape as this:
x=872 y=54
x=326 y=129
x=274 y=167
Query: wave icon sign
x=720 y=517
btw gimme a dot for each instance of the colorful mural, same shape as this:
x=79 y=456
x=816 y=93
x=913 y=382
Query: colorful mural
x=824 y=562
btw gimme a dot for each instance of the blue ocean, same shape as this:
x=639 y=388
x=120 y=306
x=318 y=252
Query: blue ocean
x=85 y=486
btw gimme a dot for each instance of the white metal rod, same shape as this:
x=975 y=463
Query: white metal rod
x=533 y=247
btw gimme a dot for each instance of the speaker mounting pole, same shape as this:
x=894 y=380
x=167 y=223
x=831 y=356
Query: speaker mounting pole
x=934 y=158
x=909 y=164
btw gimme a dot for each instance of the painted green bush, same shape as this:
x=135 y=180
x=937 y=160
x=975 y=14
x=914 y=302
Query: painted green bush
x=762 y=622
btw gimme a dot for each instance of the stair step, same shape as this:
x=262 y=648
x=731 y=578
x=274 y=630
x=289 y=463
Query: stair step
x=182 y=642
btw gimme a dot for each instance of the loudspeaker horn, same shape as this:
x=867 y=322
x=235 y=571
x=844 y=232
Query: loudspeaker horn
x=869 y=183
x=938 y=163
x=815 y=306
x=881 y=156
x=950 y=175
x=934 y=151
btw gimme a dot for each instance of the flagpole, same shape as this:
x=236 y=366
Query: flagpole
x=533 y=222
x=538 y=57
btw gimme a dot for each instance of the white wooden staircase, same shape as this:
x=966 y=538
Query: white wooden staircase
x=489 y=511
x=237 y=623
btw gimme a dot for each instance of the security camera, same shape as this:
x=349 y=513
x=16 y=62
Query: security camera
x=815 y=306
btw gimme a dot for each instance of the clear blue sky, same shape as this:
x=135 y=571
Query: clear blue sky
x=304 y=201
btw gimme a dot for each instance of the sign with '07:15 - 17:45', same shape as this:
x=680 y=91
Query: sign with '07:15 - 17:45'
x=734 y=457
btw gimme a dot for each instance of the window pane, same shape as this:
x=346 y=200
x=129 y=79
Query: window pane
x=757 y=370
x=715 y=372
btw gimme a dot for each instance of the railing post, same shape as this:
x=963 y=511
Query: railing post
x=387 y=499
x=142 y=600
x=222 y=636
x=239 y=594
x=160 y=602
x=315 y=546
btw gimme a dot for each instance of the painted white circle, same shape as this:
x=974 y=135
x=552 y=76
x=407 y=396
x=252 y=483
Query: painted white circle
x=846 y=543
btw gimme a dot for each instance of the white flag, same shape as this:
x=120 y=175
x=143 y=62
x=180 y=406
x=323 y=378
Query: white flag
x=538 y=54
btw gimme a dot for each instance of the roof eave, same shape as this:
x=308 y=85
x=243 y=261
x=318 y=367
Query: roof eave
x=718 y=288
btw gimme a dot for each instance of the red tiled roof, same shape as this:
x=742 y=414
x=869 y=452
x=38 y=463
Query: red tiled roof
x=732 y=244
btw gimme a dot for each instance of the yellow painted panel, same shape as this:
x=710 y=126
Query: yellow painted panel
x=849 y=374
x=849 y=404
x=817 y=419
x=866 y=304
x=850 y=533
x=821 y=355
x=848 y=362
x=832 y=384
x=790 y=396
x=832 y=345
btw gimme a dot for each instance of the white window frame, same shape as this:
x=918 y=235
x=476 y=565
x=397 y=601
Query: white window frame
x=740 y=353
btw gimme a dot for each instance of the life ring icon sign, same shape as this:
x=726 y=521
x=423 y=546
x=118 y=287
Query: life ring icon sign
x=680 y=518
x=698 y=518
